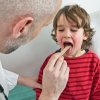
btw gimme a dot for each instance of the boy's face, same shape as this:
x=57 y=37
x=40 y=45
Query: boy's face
x=68 y=33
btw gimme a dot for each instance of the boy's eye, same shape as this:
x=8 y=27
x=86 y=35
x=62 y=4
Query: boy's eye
x=74 y=30
x=61 y=30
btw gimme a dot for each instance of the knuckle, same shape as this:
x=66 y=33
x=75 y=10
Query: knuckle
x=60 y=59
x=48 y=70
x=54 y=56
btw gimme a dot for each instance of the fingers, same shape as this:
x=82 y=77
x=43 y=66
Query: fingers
x=52 y=61
x=64 y=68
x=59 y=64
x=54 y=58
x=67 y=72
x=56 y=61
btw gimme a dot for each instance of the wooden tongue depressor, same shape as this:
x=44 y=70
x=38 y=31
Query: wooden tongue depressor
x=64 y=50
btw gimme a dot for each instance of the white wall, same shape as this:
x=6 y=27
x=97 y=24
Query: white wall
x=96 y=24
x=28 y=59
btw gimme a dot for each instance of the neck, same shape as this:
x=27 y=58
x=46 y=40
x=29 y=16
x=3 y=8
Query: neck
x=77 y=54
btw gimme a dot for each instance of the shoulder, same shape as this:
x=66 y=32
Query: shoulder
x=47 y=59
x=93 y=55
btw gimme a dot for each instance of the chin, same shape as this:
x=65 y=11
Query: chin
x=10 y=50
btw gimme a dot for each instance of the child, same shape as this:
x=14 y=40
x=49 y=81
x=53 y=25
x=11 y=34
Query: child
x=72 y=28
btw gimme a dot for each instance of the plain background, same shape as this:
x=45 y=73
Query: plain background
x=28 y=59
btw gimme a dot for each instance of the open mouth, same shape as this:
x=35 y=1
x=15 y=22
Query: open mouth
x=67 y=44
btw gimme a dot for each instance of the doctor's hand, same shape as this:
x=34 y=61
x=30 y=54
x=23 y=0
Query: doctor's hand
x=55 y=77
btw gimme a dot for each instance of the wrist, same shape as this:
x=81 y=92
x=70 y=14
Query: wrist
x=46 y=96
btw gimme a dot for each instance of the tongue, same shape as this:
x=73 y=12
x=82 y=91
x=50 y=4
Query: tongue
x=64 y=50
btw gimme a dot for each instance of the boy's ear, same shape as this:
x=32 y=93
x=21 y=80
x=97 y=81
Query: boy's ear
x=22 y=27
x=86 y=35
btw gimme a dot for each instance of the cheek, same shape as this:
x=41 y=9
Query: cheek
x=78 y=37
x=78 y=41
x=58 y=37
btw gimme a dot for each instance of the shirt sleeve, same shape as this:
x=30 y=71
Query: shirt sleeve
x=11 y=79
x=38 y=91
x=95 y=95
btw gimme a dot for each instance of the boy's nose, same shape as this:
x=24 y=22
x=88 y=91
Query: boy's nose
x=67 y=34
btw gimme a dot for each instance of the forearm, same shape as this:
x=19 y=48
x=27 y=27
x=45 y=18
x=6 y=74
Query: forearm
x=27 y=81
